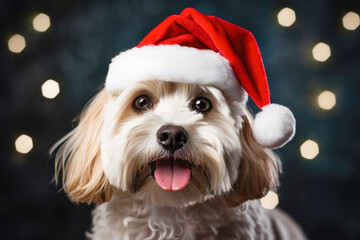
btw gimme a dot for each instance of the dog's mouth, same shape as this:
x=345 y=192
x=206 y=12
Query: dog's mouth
x=171 y=174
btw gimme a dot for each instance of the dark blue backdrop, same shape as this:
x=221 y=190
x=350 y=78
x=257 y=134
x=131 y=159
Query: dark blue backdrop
x=322 y=194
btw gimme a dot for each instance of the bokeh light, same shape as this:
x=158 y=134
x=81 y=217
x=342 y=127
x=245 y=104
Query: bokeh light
x=23 y=144
x=351 y=21
x=16 y=43
x=326 y=100
x=270 y=201
x=286 y=17
x=41 y=22
x=309 y=149
x=321 y=52
x=50 y=89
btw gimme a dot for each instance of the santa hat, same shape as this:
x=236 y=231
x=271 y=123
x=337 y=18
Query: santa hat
x=196 y=48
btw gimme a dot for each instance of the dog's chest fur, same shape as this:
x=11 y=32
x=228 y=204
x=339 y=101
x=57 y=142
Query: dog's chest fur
x=126 y=218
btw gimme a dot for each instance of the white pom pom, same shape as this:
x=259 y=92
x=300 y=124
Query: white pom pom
x=274 y=126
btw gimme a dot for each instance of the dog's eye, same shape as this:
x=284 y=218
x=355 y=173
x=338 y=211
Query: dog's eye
x=142 y=103
x=202 y=104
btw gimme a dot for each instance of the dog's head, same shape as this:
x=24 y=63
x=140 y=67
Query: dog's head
x=171 y=125
x=165 y=142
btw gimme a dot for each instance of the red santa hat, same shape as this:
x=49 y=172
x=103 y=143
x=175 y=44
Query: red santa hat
x=196 y=48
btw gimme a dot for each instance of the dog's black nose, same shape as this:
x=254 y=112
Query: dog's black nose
x=172 y=137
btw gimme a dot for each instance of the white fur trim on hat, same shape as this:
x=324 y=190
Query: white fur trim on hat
x=176 y=64
x=274 y=126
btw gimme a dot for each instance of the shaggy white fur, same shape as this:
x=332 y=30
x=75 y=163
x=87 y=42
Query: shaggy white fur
x=113 y=155
x=127 y=218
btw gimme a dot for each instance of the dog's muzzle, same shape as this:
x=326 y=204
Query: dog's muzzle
x=172 y=174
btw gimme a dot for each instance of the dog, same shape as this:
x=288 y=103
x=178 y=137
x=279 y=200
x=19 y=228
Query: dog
x=175 y=157
x=113 y=155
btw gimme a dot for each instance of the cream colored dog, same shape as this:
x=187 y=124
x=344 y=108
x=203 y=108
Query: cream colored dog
x=170 y=160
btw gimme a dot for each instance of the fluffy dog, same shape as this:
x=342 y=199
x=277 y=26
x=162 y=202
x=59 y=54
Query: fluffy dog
x=173 y=153
x=122 y=140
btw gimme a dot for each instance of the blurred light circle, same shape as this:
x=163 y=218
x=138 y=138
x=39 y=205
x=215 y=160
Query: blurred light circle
x=16 y=43
x=270 y=201
x=41 y=22
x=50 y=89
x=286 y=17
x=23 y=144
x=351 y=21
x=326 y=100
x=321 y=52
x=309 y=149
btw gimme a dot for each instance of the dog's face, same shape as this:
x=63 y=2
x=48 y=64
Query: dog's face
x=171 y=143
x=168 y=143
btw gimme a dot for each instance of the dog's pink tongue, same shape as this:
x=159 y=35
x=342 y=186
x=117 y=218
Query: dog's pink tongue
x=172 y=178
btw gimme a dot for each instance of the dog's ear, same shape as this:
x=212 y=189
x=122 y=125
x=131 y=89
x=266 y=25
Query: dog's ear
x=78 y=157
x=258 y=170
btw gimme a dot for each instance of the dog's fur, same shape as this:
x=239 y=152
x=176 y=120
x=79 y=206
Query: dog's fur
x=108 y=158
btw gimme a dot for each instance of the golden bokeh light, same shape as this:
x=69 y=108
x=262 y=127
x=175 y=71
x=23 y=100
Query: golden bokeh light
x=321 y=52
x=23 y=144
x=16 y=43
x=326 y=100
x=270 y=201
x=351 y=21
x=41 y=22
x=286 y=17
x=50 y=89
x=309 y=149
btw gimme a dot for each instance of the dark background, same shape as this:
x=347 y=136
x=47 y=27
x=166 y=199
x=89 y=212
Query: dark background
x=321 y=194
